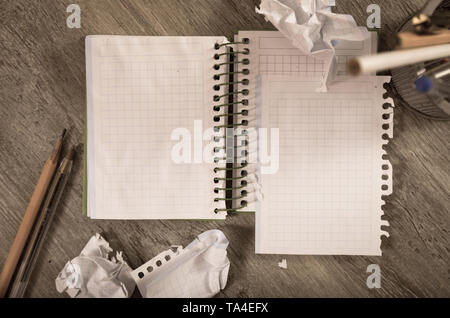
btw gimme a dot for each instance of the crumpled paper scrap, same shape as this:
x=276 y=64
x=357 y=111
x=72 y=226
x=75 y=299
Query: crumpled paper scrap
x=313 y=28
x=199 y=270
x=94 y=275
x=282 y=264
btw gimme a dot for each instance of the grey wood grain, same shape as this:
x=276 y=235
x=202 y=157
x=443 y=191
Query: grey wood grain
x=42 y=83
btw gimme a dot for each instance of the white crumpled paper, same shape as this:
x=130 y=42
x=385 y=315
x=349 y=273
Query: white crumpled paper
x=198 y=270
x=282 y=264
x=94 y=275
x=312 y=27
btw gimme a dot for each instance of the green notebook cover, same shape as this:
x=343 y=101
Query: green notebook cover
x=85 y=163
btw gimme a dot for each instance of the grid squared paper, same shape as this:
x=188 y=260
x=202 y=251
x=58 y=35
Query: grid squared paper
x=143 y=89
x=171 y=284
x=326 y=196
x=290 y=65
x=300 y=65
x=272 y=54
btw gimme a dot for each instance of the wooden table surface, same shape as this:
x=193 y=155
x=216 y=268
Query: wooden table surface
x=42 y=83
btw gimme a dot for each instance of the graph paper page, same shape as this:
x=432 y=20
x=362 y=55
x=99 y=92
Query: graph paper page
x=325 y=197
x=273 y=54
x=143 y=93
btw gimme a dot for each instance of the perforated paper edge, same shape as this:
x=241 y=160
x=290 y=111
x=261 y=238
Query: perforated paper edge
x=386 y=107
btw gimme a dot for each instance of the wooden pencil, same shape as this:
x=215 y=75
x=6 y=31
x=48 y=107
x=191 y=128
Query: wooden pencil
x=29 y=218
x=407 y=40
x=31 y=252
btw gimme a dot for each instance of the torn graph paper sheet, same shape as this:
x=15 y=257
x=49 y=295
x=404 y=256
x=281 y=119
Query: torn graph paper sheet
x=93 y=275
x=344 y=172
x=313 y=28
x=200 y=270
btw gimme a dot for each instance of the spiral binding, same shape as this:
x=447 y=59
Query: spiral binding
x=387 y=122
x=226 y=120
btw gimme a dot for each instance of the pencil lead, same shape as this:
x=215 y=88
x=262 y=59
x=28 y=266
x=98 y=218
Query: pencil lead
x=58 y=146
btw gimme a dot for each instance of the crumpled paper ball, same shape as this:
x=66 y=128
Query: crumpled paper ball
x=93 y=275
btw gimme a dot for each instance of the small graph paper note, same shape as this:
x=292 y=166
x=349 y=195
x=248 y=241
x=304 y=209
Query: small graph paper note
x=325 y=197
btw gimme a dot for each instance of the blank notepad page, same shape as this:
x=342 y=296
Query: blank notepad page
x=142 y=92
x=325 y=197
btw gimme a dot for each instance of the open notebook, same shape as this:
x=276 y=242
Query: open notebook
x=323 y=196
x=146 y=98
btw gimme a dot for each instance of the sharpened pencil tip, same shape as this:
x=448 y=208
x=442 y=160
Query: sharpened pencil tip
x=57 y=149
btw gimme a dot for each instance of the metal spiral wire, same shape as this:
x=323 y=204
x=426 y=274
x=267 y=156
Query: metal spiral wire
x=226 y=119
